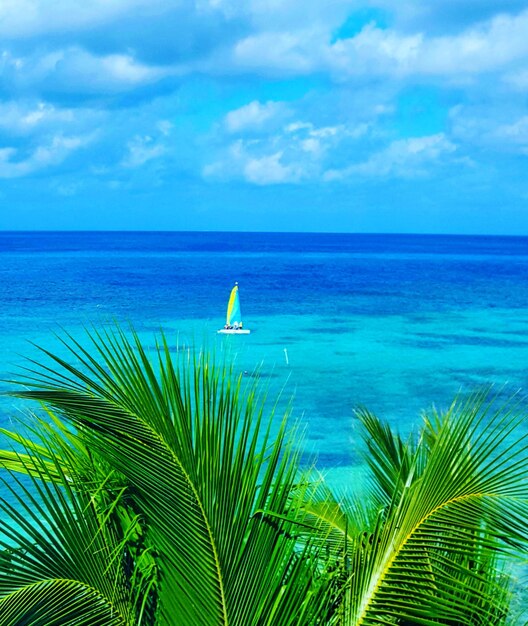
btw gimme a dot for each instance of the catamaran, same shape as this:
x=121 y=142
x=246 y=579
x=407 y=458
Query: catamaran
x=233 y=325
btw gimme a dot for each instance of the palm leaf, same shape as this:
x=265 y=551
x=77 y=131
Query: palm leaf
x=392 y=461
x=55 y=603
x=189 y=440
x=56 y=555
x=468 y=500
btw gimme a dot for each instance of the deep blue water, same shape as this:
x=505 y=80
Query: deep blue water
x=187 y=274
x=393 y=322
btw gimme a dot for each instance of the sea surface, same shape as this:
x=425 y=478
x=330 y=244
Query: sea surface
x=394 y=323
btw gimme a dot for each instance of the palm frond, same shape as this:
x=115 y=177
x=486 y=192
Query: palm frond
x=392 y=461
x=189 y=440
x=468 y=500
x=57 y=602
x=55 y=548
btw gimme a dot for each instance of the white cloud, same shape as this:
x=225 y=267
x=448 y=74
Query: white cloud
x=295 y=126
x=26 y=117
x=113 y=72
x=6 y=154
x=253 y=116
x=291 y=140
x=252 y=162
x=494 y=44
x=123 y=68
x=518 y=79
x=317 y=141
x=326 y=135
x=516 y=131
x=25 y=18
x=165 y=127
x=495 y=129
x=445 y=15
x=276 y=15
x=269 y=170
x=142 y=149
x=285 y=52
x=74 y=70
x=311 y=145
x=294 y=154
x=55 y=151
x=514 y=134
x=58 y=148
x=274 y=38
x=374 y=51
x=489 y=46
x=406 y=158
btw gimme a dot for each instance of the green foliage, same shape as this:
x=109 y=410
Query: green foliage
x=158 y=489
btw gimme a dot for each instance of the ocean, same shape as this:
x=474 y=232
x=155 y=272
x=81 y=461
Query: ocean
x=393 y=323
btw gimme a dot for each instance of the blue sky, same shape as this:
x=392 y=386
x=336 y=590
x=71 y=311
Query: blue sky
x=359 y=116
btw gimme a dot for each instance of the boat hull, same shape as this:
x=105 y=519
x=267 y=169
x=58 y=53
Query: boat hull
x=232 y=331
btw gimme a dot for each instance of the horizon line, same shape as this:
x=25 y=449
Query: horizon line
x=261 y=232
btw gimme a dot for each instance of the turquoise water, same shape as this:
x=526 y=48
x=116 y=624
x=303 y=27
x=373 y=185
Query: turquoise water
x=393 y=323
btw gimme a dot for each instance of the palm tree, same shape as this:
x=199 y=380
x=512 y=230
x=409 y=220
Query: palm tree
x=157 y=490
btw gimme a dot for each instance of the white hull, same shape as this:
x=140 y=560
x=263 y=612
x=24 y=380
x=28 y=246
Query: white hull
x=233 y=331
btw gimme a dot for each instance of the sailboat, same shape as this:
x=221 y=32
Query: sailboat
x=233 y=325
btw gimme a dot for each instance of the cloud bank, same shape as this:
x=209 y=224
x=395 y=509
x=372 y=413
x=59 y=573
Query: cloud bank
x=128 y=94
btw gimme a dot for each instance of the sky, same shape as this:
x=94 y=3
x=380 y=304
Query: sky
x=264 y=115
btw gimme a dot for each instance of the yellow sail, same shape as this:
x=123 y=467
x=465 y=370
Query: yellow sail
x=233 y=324
x=233 y=307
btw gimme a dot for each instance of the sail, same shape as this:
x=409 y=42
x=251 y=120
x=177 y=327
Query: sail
x=233 y=308
x=233 y=324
